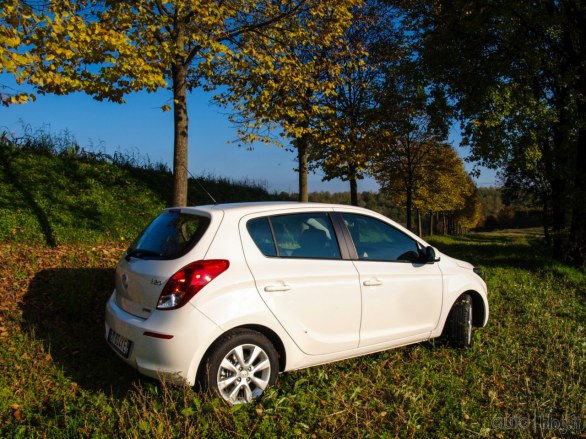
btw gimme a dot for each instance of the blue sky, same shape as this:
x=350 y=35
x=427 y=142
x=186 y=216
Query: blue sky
x=140 y=127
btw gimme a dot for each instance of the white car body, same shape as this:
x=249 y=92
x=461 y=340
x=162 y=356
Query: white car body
x=313 y=310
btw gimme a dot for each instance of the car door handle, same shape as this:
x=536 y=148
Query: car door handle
x=275 y=288
x=372 y=283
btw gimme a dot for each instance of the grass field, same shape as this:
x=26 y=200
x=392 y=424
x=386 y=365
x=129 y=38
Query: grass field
x=524 y=377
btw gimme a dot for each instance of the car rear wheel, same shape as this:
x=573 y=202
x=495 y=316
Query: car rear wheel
x=458 y=329
x=240 y=366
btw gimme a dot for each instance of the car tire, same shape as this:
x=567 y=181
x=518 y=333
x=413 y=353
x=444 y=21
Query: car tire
x=240 y=366
x=458 y=328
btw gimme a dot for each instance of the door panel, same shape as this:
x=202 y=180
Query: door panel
x=401 y=294
x=399 y=300
x=313 y=293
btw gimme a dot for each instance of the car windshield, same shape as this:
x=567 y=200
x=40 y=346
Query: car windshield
x=171 y=235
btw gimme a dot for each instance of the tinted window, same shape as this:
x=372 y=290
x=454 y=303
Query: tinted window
x=296 y=236
x=260 y=231
x=377 y=240
x=170 y=235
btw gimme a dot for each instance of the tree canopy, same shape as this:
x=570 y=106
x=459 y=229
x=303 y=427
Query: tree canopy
x=421 y=174
x=286 y=104
x=347 y=141
x=516 y=72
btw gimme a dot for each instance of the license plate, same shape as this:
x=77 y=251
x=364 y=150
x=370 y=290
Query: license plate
x=120 y=343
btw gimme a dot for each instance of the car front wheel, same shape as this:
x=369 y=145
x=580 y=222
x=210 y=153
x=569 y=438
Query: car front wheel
x=458 y=329
x=240 y=366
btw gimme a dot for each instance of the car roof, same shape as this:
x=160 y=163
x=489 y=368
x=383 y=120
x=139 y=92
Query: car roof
x=266 y=206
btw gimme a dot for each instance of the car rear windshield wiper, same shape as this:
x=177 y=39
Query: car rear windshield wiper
x=140 y=253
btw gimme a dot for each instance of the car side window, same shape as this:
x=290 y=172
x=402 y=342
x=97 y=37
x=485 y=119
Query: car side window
x=260 y=231
x=379 y=241
x=306 y=235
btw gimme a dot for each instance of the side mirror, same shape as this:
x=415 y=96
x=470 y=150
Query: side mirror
x=430 y=255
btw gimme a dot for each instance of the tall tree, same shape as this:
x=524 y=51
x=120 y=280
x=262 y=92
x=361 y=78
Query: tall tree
x=286 y=104
x=517 y=72
x=111 y=48
x=347 y=141
x=412 y=119
x=419 y=173
x=451 y=193
x=470 y=216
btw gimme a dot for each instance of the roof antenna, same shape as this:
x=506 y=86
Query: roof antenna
x=201 y=186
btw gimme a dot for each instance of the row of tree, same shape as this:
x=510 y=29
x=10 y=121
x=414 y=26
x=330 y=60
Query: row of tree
x=336 y=81
x=440 y=222
x=352 y=86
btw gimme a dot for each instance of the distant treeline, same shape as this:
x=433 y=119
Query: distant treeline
x=500 y=213
x=53 y=190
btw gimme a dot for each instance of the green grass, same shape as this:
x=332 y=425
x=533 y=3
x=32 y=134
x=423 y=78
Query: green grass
x=524 y=376
x=65 y=218
x=63 y=196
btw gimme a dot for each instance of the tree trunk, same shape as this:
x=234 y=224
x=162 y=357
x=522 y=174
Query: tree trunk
x=577 y=243
x=354 y=192
x=558 y=166
x=545 y=219
x=303 y=170
x=430 y=223
x=180 y=146
x=419 y=231
x=408 y=204
x=577 y=39
x=558 y=222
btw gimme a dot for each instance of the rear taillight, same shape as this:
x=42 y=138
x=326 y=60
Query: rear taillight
x=188 y=281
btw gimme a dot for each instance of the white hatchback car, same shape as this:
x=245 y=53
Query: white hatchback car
x=230 y=295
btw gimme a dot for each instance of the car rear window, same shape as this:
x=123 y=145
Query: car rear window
x=169 y=236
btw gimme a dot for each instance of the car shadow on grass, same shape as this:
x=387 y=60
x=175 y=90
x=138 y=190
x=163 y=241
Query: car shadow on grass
x=64 y=308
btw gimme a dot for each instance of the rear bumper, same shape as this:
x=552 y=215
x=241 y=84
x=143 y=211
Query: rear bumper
x=176 y=358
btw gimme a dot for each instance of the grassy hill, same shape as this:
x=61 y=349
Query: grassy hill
x=61 y=194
